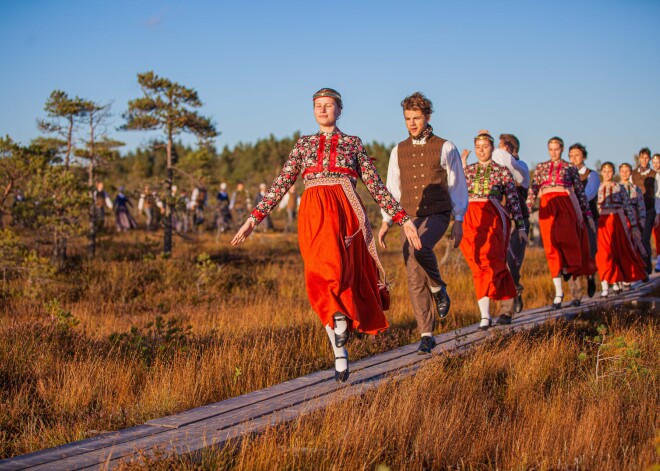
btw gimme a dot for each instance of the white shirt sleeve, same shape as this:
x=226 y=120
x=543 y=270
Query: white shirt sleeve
x=502 y=157
x=525 y=170
x=393 y=180
x=450 y=160
x=591 y=188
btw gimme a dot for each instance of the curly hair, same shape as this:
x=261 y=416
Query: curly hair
x=417 y=101
x=511 y=142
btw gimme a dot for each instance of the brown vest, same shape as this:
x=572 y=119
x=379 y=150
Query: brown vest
x=647 y=184
x=423 y=180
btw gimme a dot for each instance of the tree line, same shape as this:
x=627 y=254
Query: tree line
x=54 y=176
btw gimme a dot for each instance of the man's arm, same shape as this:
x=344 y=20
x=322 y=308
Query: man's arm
x=591 y=188
x=450 y=159
x=393 y=181
x=502 y=157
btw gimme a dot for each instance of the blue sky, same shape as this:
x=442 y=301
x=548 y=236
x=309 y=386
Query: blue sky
x=588 y=71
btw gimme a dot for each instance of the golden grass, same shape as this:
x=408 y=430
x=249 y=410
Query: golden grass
x=531 y=401
x=61 y=382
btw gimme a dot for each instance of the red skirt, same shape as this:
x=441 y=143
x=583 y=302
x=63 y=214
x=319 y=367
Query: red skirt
x=565 y=238
x=616 y=258
x=340 y=273
x=486 y=234
x=656 y=236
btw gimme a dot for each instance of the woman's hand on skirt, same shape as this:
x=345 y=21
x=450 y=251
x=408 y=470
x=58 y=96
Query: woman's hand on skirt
x=244 y=232
x=411 y=234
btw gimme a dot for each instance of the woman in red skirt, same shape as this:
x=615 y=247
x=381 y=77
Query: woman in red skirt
x=616 y=258
x=562 y=215
x=336 y=242
x=487 y=229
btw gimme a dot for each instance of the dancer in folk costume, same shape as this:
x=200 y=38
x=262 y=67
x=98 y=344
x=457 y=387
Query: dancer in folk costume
x=487 y=230
x=563 y=215
x=590 y=180
x=336 y=243
x=617 y=259
x=123 y=219
x=644 y=177
x=655 y=162
x=426 y=174
x=636 y=196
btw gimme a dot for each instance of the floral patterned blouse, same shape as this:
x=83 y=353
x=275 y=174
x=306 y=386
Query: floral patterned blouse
x=559 y=174
x=494 y=181
x=614 y=196
x=324 y=155
x=637 y=201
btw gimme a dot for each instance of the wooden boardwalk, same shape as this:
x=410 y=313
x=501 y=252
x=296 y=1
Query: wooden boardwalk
x=215 y=424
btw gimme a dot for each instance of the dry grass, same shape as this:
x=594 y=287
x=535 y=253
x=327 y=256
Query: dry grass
x=531 y=401
x=61 y=382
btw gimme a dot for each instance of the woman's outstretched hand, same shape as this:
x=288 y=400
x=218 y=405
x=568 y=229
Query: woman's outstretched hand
x=244 y=232
x=411 y=234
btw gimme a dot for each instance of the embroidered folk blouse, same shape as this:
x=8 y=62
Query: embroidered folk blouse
x=636 y=200
x=324 y=155
x=559 y=174
x=494 y=181
x=614 y=196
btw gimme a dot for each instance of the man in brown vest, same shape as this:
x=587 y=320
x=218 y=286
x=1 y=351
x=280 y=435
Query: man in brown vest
x=425 y=174
x=644 y=178
x=590 y=180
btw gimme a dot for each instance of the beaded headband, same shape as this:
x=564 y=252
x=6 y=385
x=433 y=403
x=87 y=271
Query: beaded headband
x=557 y=140
x=327 y=93
x=484 y=137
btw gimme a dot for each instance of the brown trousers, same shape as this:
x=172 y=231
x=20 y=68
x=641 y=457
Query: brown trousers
x=422 y=268
x=576 y=285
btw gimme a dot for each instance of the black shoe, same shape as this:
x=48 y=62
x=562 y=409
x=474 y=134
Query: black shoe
x=341 y=376
x=566 y=276
x=557 y=305
x=426 y=345
x=341 y=339
x=486 y=326
x=591 y=286
x=442 y=302
x=616 y=292
x=518 y=301
x=576 y=302
x=504 y=319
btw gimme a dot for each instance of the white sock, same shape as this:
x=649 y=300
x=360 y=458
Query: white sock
x=435 y=289
x=427 y=334
x=341 y=364
x=618 y=286
x=484 y=307
x=606 y=286
x=341 y=325
x=559 y=292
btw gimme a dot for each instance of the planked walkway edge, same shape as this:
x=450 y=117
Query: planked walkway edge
x=218 y=423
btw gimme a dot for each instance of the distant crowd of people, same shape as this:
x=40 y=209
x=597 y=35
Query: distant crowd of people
x=191 y=211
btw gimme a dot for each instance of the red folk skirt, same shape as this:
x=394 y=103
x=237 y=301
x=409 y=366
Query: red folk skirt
x=565 y=238
x=341 y=274
x=656 y=236
x=616 y=258
x=486 y=233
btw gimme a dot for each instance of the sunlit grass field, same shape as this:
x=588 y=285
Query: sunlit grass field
x=132 y=336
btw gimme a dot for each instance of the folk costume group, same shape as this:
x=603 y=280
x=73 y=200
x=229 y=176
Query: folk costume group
x=428 y=182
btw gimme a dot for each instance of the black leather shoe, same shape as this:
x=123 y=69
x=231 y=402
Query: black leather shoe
x=341 y=339
x=442 y=302
x=341 y=376
x=483 y=327
x=566 y=276
x=557 y=305
x=426 y=345
x=518 y=301
x=576 y=302
x=591 y=286
x=504 y=319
